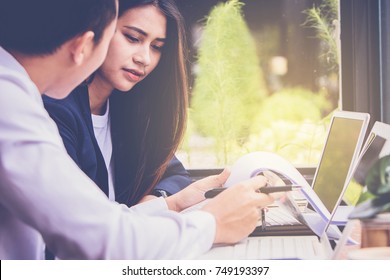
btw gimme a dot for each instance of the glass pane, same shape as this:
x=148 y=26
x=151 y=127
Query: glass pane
x=264 y=77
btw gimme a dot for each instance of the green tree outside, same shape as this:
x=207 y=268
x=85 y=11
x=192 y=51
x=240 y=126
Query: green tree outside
x=229 y=86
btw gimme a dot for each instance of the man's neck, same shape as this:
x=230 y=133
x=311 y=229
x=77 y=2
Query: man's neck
x=39 y=68
x=52 y=73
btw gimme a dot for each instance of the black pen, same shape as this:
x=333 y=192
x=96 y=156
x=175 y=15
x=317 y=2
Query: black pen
x=263 y=222
x=267 y=190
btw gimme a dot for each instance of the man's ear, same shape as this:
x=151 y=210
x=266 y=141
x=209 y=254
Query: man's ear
x=82 y=46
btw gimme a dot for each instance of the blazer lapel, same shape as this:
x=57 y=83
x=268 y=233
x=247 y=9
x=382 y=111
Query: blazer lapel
x=102 y=174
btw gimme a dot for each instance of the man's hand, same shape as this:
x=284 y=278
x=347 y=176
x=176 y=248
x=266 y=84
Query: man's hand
x=237 y=209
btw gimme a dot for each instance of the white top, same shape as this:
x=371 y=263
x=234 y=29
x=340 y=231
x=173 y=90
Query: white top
x=102 y=130
x=45 y=196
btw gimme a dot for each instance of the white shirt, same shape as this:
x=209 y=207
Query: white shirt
x=102 y=130
x=45 y=197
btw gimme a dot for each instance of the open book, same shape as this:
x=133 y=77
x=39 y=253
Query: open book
x=256 y=163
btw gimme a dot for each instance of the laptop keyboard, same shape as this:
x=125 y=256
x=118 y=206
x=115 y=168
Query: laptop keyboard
x=280 y=222
x=279 y=216
x=272 y=247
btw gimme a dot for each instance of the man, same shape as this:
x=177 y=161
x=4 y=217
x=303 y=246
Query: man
x=50 y=46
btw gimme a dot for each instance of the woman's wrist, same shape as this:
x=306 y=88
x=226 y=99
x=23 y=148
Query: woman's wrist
x=172 y=202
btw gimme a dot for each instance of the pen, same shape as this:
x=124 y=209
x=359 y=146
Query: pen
x=263 y=225
x=267 y=190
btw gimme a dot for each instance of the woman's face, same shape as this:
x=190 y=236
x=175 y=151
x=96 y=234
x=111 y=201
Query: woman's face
x=135 y=49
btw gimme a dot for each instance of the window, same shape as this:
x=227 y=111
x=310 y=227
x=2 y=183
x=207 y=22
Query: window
x=265 y=82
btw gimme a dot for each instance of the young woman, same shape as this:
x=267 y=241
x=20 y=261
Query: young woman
x=125 y=141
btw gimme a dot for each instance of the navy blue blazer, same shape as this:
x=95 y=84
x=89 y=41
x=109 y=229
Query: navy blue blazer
x=74 y=121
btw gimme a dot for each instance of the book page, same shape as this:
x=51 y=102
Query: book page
x=254 y=163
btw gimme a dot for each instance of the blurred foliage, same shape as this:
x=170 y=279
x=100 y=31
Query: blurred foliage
x=231 y=113
x=324 y=19
x=291 y=123
x=378 y=179
x=293 y=104
x=375 y=198
x=229 y=85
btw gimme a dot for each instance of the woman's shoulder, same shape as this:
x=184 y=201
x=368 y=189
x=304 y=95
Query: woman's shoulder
x=69 y=111
x=75 y=102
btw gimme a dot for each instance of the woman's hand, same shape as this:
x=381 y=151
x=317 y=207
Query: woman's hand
x=194 y=193
x=147 y=198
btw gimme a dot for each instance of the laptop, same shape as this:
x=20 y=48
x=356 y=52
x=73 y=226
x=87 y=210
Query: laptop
x=313 y=247
x=344 y=140
x=340 y=153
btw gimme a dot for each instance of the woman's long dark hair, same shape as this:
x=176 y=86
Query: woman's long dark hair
x=148 y=123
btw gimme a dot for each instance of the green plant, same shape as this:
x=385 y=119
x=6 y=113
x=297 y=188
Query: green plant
x=229 y=85
x=323 y=19
x=291 y=124
x=287 y=104
x=376 y=199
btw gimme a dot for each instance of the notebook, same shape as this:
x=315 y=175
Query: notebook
x=344 y=140
x=376 y=146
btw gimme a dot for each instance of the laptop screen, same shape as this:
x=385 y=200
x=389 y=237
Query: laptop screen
x=337 y=156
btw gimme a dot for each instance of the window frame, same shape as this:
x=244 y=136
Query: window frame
x=365 y=59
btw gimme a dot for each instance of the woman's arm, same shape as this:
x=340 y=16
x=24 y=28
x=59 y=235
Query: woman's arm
x=175 y=178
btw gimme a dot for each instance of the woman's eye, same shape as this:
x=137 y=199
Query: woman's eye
x=131 y=38
x=158 y=47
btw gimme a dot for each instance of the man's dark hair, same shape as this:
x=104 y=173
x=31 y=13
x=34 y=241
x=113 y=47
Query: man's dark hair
x=39 y=27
